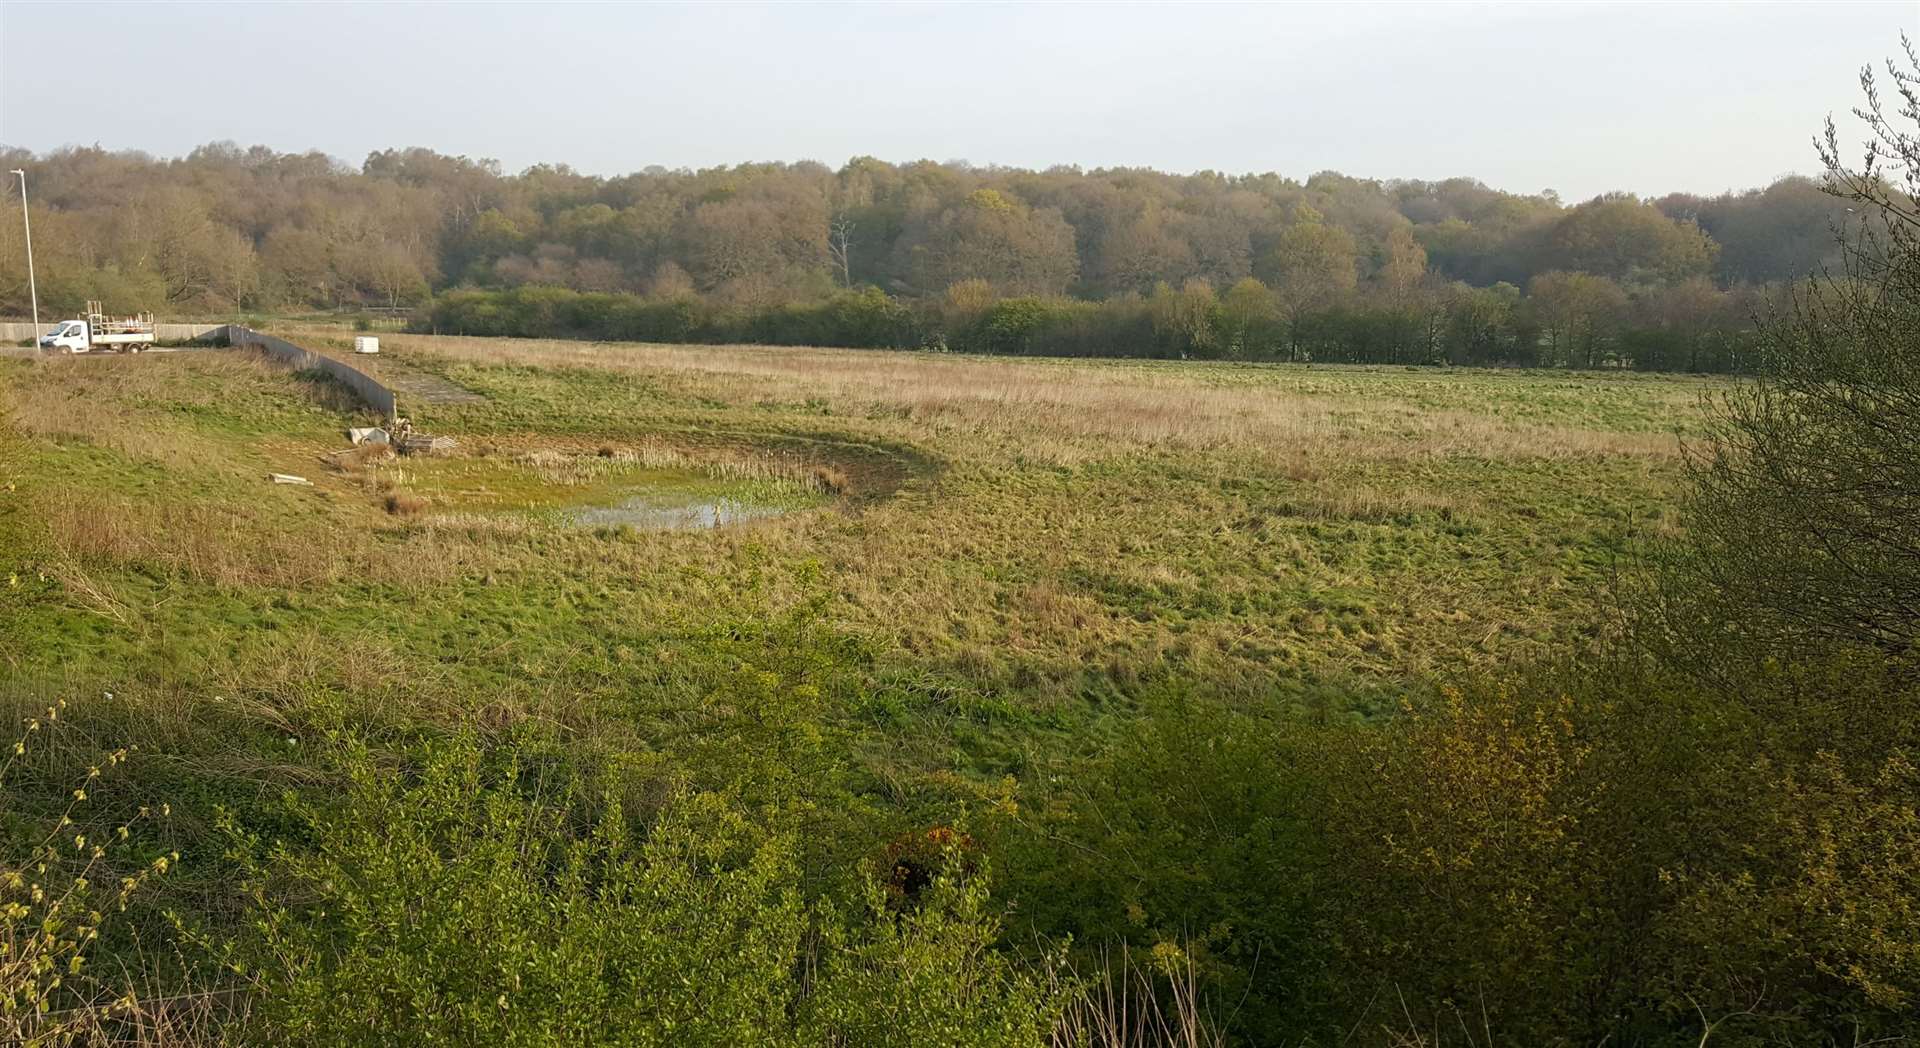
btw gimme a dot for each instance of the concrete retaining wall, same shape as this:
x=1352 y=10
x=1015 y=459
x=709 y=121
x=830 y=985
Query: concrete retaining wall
x=380 y=397
x=20 y=331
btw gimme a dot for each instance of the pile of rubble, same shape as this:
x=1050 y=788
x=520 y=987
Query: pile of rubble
x=400 y=437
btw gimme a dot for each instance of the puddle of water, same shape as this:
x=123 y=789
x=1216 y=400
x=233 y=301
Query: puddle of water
x=652 y=513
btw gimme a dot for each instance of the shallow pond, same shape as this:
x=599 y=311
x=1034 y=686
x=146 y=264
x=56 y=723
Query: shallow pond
x=661 y=512
x=592 y=492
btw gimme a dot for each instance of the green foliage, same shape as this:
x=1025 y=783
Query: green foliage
x=1198 y=831
x=465 y=899
x=1311 y=264
x=1611 y=858
x=932 y=976
x=1820 y=904
x=1570 y=320
x=1605 y=851
x=452 y=903
x=1187 y=319
x=1463 y=830
x=1626 y=239
x=865 y=318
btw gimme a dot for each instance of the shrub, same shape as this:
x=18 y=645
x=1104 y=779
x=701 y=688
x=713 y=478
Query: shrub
x=1201 y=827
x=447 y=906
x=1608 y=850
x=931 y=977
x=1804 y=516
x=1817 y=914
x=60 y=886
x=1464 y=836
x=870 y=318
x=464 y=900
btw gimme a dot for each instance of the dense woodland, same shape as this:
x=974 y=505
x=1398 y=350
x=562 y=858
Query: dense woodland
x=1063 y=261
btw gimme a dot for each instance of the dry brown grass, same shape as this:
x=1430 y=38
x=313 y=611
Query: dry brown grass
x=832 y=480
x=104 y=401
x=228 y=546
x=222 y=546
x=1069 y=411
x=167 y=1019
x=1373 y=504
x=559 y=464
x=1155 y=1001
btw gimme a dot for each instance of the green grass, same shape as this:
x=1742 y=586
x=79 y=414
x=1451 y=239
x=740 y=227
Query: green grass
x=1027 y=547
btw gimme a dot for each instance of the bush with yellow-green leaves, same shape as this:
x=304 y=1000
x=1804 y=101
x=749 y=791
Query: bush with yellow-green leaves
x=457 y=899
x=57 y=891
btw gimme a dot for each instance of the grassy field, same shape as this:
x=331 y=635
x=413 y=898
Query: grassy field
x=985 y=561
x=970 y=593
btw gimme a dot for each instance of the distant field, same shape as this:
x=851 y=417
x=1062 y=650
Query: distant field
x=974 y=561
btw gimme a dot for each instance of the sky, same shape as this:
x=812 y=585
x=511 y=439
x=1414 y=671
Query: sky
x=1580 y=98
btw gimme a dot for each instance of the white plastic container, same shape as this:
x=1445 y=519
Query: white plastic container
x=366 y=344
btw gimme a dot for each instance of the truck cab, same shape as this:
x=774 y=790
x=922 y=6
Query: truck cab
x=69 y=336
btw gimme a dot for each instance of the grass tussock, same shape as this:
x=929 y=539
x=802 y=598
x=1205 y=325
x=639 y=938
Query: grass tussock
x=405 y=504
x=831 y=480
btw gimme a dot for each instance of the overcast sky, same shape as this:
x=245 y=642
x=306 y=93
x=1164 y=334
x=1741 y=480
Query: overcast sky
x=1580 y=98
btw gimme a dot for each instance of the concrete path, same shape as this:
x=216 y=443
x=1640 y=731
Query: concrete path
x=412 y=385
x=408 y=384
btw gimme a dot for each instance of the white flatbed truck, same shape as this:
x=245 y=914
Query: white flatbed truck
x=99 y=332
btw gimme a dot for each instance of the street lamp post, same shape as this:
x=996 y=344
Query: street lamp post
x=33 y=287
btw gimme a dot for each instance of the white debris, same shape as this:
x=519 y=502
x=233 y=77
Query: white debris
x=288 y=478
x=369 y=435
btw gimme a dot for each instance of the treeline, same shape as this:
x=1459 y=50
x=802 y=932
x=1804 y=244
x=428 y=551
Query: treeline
x=1571 y=320
x=1342 y=261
